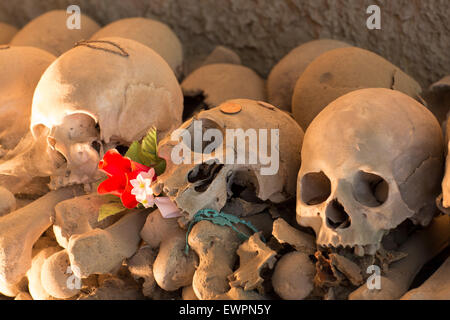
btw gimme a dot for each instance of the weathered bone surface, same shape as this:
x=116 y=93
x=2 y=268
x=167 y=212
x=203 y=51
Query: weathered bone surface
x=172 y=268
x=194 y=186
x=13 y=290
x=157 y=229
x=140 y=266
x=7 y=201
x=293 y=278
x=56 y=275
x=283 y=76
x=152 y=33
x=50 y=32
x=22 y=67
x=301 y=241
x=103 y=251
x=341 y=71
x=35 y=284
x=254 y=256
x=224 y=81
x=436 y=287
x=20 y=229
x=222 y=54
x=216 y=248
x=79 y=215
x=7 y=32
x=420 y=247
x=370 y=160
x=126 y=80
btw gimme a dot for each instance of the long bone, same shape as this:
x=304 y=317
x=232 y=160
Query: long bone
x=102 y=251
x=172 y=269
x=20 y=229
x=420 y=247
x=437 y=287
x=79 y=215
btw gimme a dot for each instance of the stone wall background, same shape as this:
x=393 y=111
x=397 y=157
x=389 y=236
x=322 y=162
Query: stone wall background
x=414 y=35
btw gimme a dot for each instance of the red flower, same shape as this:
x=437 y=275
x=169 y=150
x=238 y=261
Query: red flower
x=120 y=170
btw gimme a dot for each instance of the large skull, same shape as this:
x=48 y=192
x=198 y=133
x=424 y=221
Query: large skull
x=371 y=159
x=210 y=183
x=98 y=95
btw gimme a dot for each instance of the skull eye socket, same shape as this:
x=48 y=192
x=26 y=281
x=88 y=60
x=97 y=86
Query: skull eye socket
x=207 y=132
x=203 y=174
x=370 y=189
x=315 y=188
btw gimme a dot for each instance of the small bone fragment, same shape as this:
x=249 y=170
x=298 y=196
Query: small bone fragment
x=20 y=229
x=437 y=287
x=222 y=54
x=7 y=201
x=254 y=256
x=420 y=247
x=301 y=241
x=55 y=276
x=79 y=215
x=102 y=251
x=293 y=278
x=348 y=268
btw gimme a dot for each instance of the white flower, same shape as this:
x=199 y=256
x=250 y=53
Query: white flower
x=141 y=188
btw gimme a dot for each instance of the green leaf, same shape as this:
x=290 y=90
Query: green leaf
x=149 y=146
x=134 y=151
x=147 y=152
x=110 y=209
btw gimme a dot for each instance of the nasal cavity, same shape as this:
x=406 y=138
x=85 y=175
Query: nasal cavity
x=336 y=216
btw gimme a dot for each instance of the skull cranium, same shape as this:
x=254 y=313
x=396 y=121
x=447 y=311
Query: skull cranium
x=210 y=183
x=371 y=159
x=99 y=95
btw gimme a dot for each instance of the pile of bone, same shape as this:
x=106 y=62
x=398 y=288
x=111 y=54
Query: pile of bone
x=355 y=209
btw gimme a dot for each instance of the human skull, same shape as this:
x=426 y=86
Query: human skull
x=340 y=71
x=50 y=32
x=21 y=68
x=371 y=159
x=283 y=76
x=213 y=84
x=210 y=182
x=98 y=95
x=152 y=33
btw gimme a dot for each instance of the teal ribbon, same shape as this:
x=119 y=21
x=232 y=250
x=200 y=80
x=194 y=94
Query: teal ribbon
x=221 y=219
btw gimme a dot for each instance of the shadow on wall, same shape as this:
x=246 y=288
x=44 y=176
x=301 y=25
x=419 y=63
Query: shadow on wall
x=414 y=35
